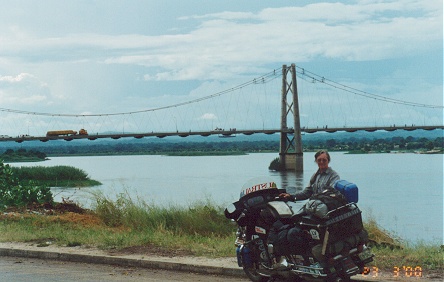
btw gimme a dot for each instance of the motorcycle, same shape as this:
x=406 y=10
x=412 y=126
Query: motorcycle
x=273 y=242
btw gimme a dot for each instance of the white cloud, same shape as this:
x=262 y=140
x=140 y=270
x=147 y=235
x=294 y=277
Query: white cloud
x=22 y=89
x=14 y=79
x=208 y=116
x=366 y=30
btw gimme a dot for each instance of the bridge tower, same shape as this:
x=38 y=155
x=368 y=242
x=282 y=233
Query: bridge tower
x=290 y=151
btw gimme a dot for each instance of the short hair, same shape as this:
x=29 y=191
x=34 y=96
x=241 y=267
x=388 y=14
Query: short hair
x=320 y=152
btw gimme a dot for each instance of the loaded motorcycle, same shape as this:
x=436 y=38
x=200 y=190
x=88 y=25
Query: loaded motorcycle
x=321 y=242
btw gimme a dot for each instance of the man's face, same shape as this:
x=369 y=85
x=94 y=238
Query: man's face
x=322 y=161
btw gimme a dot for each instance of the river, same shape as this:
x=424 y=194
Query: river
x=402 y=192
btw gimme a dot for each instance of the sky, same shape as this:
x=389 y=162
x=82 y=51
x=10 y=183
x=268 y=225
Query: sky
x=107 y=56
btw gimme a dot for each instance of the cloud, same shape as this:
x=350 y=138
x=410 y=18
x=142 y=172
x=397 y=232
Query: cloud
x=227 y=44
x=331 y=30
x=12 y=79
x=22 y=89
x=208 y=116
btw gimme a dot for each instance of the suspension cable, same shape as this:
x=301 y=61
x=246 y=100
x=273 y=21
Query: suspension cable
x=263 y=79
x=260 y=80
x=316 y=78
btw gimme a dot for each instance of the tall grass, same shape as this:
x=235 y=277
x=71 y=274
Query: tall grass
x=200 y=218
x=392 y=252
x=198 y=227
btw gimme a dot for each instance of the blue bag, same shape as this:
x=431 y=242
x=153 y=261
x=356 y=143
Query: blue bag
x=348 y=189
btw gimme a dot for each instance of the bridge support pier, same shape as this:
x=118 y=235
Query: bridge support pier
x=290 y=151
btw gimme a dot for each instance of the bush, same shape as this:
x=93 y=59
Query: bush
x=14 y=193
x=275 y=165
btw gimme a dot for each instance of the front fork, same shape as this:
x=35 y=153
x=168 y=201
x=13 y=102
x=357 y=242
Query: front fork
x=251 y=251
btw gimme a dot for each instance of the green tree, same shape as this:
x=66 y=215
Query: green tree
x=429 y=145
x=331 y=143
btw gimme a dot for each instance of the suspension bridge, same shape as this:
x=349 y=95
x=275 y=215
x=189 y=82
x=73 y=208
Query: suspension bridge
x=258 y=106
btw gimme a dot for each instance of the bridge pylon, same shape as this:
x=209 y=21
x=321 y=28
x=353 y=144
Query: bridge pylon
x=290 y=151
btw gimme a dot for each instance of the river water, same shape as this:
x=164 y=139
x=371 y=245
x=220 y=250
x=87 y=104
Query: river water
x=403 y=192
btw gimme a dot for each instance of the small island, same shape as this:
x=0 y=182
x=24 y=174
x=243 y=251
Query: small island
x=56 y=176
x=22 y=155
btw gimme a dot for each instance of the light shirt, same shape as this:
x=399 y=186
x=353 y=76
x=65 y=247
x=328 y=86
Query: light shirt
x=318 y=183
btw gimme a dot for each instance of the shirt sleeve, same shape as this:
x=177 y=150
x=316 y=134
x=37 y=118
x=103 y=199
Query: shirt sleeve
x=305 y=194
x=334 y=177
x=326 y=180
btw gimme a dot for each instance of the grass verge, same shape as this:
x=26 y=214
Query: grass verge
x=199 y=229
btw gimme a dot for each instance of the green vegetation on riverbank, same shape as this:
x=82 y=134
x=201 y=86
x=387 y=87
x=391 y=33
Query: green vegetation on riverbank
x=56 y=176
x=22 y=155
x=18 y=193
x=199 y=229
x=205 y=153
x=28 y=186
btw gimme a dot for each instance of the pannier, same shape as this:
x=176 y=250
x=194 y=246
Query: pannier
x=287 y=239
x=344 y=221
x=342 y=230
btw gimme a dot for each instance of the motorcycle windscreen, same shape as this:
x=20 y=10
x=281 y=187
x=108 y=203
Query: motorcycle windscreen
x=256 y=184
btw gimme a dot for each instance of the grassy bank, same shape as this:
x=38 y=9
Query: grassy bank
x=200 y=229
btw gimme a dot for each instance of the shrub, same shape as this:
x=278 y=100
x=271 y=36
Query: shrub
x=15 y=193
x=275 y=165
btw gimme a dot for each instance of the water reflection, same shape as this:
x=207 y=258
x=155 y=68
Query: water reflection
x=291 y=180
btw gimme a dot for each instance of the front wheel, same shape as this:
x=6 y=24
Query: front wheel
x=253 y=274
x=339 y=279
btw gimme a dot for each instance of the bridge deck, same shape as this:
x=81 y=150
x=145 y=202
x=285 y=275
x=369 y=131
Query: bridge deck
x=222 y=133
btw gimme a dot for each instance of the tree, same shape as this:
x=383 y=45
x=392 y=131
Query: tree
x=331 y=143
x=409 y=139
x=429 y=145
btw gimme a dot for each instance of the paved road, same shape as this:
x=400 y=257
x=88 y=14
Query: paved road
x=39 y=270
